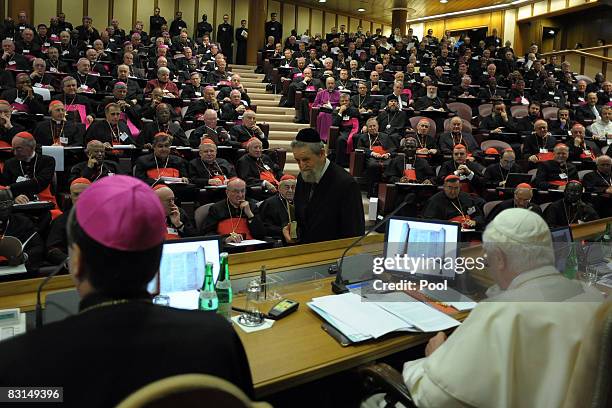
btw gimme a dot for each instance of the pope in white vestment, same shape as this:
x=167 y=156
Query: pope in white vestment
x=518 y=348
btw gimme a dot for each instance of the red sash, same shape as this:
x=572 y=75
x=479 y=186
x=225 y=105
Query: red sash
x=225 y=227
x=20 y=107
x=268 y=176
x=379 y=149
x=410 y=174
x=461 y=219
x=588 y=157
x=354 y=122
x=558 y=182
x=219 y=177
x=46 y=195
x=545 y=156
x=165 y=172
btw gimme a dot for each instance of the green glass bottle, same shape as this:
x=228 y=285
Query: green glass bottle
x=571 y=265
x=224 y=288
x=208 y=297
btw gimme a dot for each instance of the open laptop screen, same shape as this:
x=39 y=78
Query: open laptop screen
x=422 y=242
x=182 y=264
x=562 y=240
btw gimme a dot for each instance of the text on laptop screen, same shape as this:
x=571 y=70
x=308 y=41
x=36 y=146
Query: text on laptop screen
x=182 y=264
x=431 y=247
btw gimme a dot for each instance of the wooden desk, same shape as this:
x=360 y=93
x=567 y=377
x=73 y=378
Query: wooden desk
x=296 y=350
x=22 y=293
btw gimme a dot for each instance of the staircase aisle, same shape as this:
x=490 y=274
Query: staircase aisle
x=282 y=128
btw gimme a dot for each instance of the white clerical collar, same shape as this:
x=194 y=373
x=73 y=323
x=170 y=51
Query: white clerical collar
x=320 y=175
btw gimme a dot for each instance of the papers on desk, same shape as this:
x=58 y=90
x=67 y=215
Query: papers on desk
x=57 y=152
x=219 y=187
x=123 y=147
x=359 y=319
x=32 y=204
x=172 y=180
x=44 y=92
x=247 y=242
x=12 y=270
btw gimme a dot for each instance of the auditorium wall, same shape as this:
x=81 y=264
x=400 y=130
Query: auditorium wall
x=300 y=16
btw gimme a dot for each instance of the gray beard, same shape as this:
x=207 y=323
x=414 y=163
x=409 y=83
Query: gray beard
x=309 y=176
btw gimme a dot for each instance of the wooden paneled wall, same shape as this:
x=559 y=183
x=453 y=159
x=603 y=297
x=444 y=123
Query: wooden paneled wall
x=491 y=20
x=292 y=16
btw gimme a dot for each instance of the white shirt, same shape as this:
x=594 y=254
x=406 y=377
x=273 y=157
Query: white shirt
x=601 y=129
x=518 y=349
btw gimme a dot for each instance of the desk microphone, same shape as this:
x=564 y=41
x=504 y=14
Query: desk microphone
x=339 y=284
x=54 y=271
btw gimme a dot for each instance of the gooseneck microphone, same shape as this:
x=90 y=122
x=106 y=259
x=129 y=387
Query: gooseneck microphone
x=54 y=271
x=339 y=284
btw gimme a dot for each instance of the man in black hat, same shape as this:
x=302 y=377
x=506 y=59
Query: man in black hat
x=327 y=199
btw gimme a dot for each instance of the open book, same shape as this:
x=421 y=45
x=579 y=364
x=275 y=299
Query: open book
x=359 y=319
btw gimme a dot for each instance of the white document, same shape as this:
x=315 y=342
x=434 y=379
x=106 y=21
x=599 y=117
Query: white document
x=462 y=306
x=57 y=152
x=123 y=147
x=44 y=92
x=416 y=313
x=366 y=317
x=32 y=204
x=246 y=242
x=350 y=332
x=12 y=270
x=172 y=180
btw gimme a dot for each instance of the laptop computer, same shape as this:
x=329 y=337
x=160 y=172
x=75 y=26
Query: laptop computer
x=562 y=240
x=182 y=265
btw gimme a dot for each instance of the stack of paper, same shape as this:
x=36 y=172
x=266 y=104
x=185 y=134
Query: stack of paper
x=360 y=319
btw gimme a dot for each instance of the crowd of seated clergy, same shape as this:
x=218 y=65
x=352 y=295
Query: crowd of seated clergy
x=379 y=95
x=169 y=111
x=164 y=108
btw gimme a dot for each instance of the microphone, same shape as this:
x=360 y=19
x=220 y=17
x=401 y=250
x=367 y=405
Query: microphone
x=54 y=271
x=339 y=284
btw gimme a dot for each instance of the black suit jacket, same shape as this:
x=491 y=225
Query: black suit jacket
x=40 y=171
x=43 y=136
x=335 y=209
x=140 y=342
x=550 y=170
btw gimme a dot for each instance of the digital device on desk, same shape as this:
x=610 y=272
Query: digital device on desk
x=12 y=323
x=182 y=265
x=431 y=247
x=562 y=240
x=514 y=179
